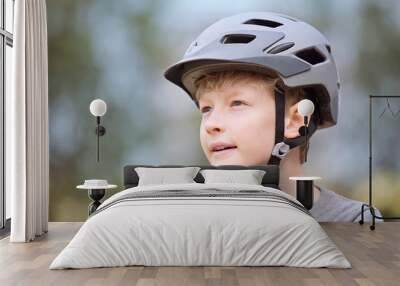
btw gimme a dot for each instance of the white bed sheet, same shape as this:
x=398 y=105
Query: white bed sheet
x=200 y=231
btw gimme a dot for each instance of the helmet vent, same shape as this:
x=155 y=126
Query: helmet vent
x=262 y=22
x=328 y=48
x=237 y=39
x=311 y=56
x=280 y=48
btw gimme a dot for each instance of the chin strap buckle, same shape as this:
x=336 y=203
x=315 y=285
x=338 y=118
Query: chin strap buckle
x=280 y=150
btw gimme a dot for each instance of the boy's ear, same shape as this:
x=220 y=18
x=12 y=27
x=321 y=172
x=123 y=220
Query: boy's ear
x=293 y=121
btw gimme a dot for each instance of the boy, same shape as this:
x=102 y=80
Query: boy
x=246 y=73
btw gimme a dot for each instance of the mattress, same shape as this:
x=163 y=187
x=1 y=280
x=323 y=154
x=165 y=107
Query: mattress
x=201 y=225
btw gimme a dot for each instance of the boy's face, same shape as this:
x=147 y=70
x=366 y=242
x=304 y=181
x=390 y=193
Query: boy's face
x=241 y=117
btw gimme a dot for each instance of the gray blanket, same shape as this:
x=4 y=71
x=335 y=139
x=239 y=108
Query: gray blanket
x=205 y=193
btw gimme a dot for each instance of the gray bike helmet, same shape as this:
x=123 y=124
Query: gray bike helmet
x=267 y=42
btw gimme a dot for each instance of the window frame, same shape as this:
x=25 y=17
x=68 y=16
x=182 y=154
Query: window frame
x=6 y=38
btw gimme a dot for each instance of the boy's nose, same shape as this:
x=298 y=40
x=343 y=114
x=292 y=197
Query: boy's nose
x=214 y=123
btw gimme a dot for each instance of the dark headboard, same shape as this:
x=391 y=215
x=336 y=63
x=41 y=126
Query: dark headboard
x=270 y=179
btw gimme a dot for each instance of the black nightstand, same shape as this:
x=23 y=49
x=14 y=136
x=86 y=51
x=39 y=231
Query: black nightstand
x=96 y=190
x=305 y=190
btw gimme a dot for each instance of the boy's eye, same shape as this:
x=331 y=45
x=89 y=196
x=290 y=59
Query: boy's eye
x=237 y=102
x=205 y=109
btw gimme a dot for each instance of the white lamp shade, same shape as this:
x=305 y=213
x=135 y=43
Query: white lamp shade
x=305 y=107
x=98 y=107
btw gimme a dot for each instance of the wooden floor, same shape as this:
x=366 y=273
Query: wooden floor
x=374 y=255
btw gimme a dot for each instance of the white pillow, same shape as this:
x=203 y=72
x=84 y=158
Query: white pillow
x=249 y=177
x=161 y=176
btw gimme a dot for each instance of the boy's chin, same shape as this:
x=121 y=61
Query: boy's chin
x=228 y=161
x=235 y=161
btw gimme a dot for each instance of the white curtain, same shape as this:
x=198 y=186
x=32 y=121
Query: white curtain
x=27 y=140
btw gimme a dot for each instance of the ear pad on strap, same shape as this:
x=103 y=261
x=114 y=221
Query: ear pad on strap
x=302 y=130
x=294 y=142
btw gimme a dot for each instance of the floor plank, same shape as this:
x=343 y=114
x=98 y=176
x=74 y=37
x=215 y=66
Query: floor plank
x=374 y=255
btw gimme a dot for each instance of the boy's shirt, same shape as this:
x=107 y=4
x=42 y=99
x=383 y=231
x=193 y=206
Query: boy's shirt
x=334 y=207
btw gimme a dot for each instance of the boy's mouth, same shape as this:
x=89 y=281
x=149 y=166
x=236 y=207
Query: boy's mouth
x=221 y=146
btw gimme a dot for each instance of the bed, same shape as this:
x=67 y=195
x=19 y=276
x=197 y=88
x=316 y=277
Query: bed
x=201 y=224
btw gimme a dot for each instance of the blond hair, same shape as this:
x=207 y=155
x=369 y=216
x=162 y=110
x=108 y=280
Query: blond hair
x=218 y=80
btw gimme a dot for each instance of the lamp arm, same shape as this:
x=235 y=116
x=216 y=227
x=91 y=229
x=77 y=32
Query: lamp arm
x=98 y=137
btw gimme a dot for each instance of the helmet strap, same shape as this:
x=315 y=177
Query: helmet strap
x=282 y=146
x=279 y=149
x=304 y=132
